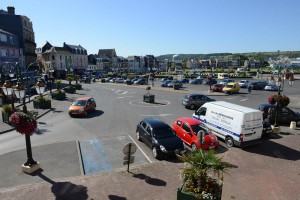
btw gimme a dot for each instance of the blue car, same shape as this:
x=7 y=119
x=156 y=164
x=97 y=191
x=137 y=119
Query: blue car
x=165 y=83
x=196 y=81
x=184 y=80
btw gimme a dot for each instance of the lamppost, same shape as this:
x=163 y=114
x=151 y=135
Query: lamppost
x=31 y=165
x=40 y=87
x=278 y=83
x=8 y=91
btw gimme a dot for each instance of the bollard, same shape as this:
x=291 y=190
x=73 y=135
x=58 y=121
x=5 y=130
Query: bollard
x=293 y=125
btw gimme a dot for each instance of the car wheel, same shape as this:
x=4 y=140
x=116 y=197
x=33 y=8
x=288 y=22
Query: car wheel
x=194 y=147
x=138 y=136
x=192 y=106
x=154 y=152
x=229 y=142
x=298 y=123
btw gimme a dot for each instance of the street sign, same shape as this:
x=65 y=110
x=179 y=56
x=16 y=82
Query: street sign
x=130 y=147
x=128 y=150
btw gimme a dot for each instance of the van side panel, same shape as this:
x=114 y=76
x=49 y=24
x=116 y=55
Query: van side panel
x=233 y=121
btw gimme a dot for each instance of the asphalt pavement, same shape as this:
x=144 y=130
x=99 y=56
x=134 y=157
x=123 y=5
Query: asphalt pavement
x=62 y=176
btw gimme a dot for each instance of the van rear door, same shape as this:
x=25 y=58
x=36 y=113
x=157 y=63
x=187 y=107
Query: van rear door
x=252 y=127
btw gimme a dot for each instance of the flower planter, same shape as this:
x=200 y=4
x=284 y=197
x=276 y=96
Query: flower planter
x=58 y=95
x=77 y=86
x=70 y=90
x=149 y=98
x=5 y=117
x=176 y=87
x=46 y=104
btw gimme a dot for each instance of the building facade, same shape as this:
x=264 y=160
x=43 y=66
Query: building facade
x=9 y=48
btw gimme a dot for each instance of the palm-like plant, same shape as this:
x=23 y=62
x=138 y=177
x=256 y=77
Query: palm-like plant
x=199 y=165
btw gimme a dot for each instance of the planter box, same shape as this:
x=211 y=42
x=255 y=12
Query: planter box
x=77 y=87
x=42 y=104
x=58 y=95
x=181 y=195
x=70 y=90
x=149 y=98
x=5 y=117
x=176 y=87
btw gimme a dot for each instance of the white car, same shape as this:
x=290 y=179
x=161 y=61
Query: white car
x=271 y=87
x=244 y=83
x=226 y=81
x=120 y=80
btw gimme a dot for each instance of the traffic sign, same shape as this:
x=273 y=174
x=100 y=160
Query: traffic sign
x=129 y=148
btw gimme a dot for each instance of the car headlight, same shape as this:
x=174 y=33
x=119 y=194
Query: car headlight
x=81 y=109
x=163 y=149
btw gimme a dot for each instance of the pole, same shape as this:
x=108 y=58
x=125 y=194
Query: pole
x=129 y=153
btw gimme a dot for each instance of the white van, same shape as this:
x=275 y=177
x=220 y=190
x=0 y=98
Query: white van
x=223 y=76
x=237 y=125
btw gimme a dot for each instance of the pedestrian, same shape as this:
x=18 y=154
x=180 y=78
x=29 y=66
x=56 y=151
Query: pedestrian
x=249 y=89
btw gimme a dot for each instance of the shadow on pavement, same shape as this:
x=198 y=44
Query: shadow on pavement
x=275 y=150
x=95 y=113
x=149 y=180
x=64 y=190
x=114 y=197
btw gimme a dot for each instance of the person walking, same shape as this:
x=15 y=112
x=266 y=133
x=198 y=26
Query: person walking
x=249 y=89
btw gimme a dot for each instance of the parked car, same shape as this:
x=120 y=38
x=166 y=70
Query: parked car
x=196 y=81
x=107 y=80
x=209 y=81
x=217 y=87
x=226 y=81
x=244 y=83
x=194 y=101
x=189 y=130
x=184 y=80
x=167 y=78
x=159 y=137
x=81 y=106
x=120 y=80
x=285 y=115
x=174 y=82
x=165 y=83
x=258 y=85
x=271 y=87
x=85 y=79
x=140 y=81
x=231 y=88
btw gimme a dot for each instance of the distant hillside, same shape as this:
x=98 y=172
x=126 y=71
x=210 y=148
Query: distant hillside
x=265 y=55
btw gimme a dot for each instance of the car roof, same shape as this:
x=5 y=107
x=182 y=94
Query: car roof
x=84 y=98
x=264 y=105
x=189 y=120
x=155 y=122
x=194 y=94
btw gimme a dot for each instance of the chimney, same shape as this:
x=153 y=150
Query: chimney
x=11 y=10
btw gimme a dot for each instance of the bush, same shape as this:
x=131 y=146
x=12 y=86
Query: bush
x=7 y=108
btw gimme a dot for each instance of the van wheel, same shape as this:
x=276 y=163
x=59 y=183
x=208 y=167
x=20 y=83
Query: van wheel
x=229 y=142
x=192 y=107
x=194 y=147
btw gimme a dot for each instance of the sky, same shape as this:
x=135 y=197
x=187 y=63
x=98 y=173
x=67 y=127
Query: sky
x=159 y=27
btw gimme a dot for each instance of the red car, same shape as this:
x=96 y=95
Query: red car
x=217 y=87
x=186 y=129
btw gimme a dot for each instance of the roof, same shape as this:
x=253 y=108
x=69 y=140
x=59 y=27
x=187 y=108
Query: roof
x=232 y=106
x=155 y=122
x=189 y=120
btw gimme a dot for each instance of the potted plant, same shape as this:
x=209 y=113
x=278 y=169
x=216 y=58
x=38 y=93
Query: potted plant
x=7 y=111
x=41 y=103
x=23 y=122
x=77 y=85
x=149 y=98
x=202 y=175
x=281 y=100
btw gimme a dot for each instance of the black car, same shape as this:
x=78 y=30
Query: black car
x=194 y=101
x=258 y=85
x=140 y=81
x=209 y=81
x=159 y=137
x=165 y=83
x=85 y=79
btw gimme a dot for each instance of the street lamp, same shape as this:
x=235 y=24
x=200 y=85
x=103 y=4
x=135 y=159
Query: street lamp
x=278 y=83
x=30 y=165
x=8 y=91
x=40 y=87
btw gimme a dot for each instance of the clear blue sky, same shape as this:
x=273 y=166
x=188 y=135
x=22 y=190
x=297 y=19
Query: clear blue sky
x=157 y=27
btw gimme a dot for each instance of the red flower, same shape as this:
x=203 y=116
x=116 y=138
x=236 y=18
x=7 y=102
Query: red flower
x=24 y=123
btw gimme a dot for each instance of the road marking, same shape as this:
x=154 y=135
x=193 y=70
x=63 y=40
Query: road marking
x=160 y=115
x=143 y=104
x=124 y=97
x=121 y=137
x=140 y=149
x=244 y=99
x=231 y=98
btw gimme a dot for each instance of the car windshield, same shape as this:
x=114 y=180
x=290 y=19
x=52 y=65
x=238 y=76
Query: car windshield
x=199 y=127
x=163 y=132
x=229 y=86
x=79 y=103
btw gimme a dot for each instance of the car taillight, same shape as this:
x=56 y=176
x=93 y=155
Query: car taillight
x=241 y=137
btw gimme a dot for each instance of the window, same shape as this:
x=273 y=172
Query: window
x=3 y=38
x=186 y=128
x=53 y=57
x=148 y=130
x=4 y=52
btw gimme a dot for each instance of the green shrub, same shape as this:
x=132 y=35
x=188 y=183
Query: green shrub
x=7 y=108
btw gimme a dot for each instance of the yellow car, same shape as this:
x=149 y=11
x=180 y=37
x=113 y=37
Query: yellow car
x=231 y=88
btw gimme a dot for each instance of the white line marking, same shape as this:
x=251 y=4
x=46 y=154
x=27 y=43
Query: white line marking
x=124 y=97
x=160 y=115
x=231 y=98
x=243 y=99
x=140 y=149
x=125 y=92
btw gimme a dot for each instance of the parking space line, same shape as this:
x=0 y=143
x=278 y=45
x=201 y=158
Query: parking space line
x=244 y=99
x=140 y=149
